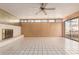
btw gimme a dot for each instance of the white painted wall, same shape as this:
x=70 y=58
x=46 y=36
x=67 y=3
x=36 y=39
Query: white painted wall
x=16 y=30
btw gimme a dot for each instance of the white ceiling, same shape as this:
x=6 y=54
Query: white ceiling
x=28 y=10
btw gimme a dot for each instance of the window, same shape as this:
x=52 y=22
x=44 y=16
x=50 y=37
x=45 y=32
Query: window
x=37 y=20
x=44 y=20
x=32 y=21
x=51 y=20
x=40 y=20
x=25 y=20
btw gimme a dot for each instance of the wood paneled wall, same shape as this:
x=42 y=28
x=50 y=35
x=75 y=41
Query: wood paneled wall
x=42 y=29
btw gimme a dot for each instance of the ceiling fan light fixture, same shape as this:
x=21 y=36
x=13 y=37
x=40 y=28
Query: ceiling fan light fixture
x=43 y=8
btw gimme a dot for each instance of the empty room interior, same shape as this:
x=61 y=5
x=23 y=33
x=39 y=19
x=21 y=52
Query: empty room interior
x=39 y=28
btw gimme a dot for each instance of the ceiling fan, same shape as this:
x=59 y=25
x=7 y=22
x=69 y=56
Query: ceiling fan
x=43 y=8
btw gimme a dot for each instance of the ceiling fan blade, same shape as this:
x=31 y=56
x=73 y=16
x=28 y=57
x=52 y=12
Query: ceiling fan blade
x=45 y=4
x=50 y=8
x=38 y=12
x=44 y=12
x=42 y=4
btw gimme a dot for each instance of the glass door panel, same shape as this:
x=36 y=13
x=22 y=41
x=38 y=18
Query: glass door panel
x=72 y=29
x=67 y=29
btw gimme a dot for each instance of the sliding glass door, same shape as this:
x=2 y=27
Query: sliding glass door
x=72 y=29
x=67 y=29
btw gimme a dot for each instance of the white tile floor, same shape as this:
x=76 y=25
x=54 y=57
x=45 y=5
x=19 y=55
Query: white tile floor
x=41 y=46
